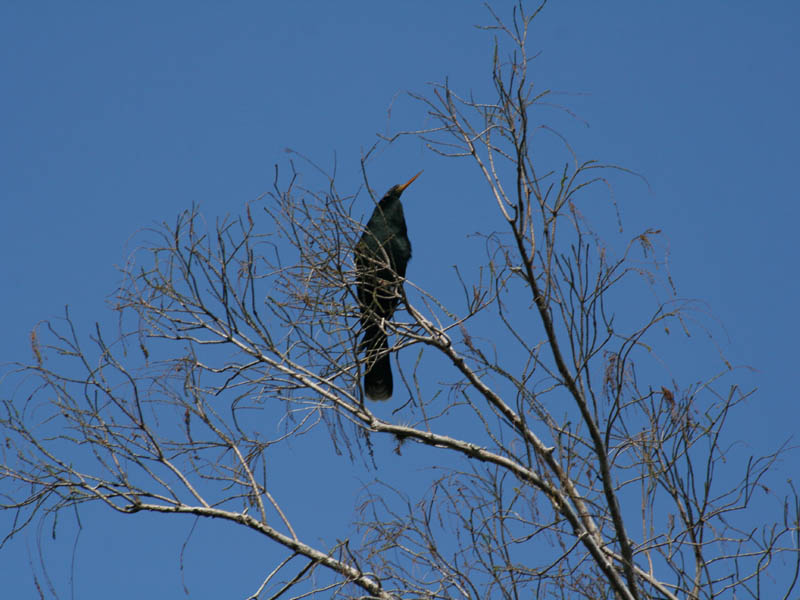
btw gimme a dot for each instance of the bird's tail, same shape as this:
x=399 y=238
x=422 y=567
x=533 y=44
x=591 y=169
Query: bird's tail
x=378 y=377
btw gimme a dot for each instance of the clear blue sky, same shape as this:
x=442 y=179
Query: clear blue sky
x=118 y=115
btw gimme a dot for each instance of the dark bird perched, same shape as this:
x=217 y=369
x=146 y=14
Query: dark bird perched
x=381 y=256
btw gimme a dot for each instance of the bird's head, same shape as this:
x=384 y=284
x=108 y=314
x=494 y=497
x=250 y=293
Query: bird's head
x=395 y=191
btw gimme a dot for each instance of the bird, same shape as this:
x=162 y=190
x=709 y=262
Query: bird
x=381 y=257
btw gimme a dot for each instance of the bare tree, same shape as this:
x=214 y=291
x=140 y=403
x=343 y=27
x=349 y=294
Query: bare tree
x=569 y=463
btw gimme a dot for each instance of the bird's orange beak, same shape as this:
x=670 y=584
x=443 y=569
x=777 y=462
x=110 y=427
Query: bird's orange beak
x=409 y=182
